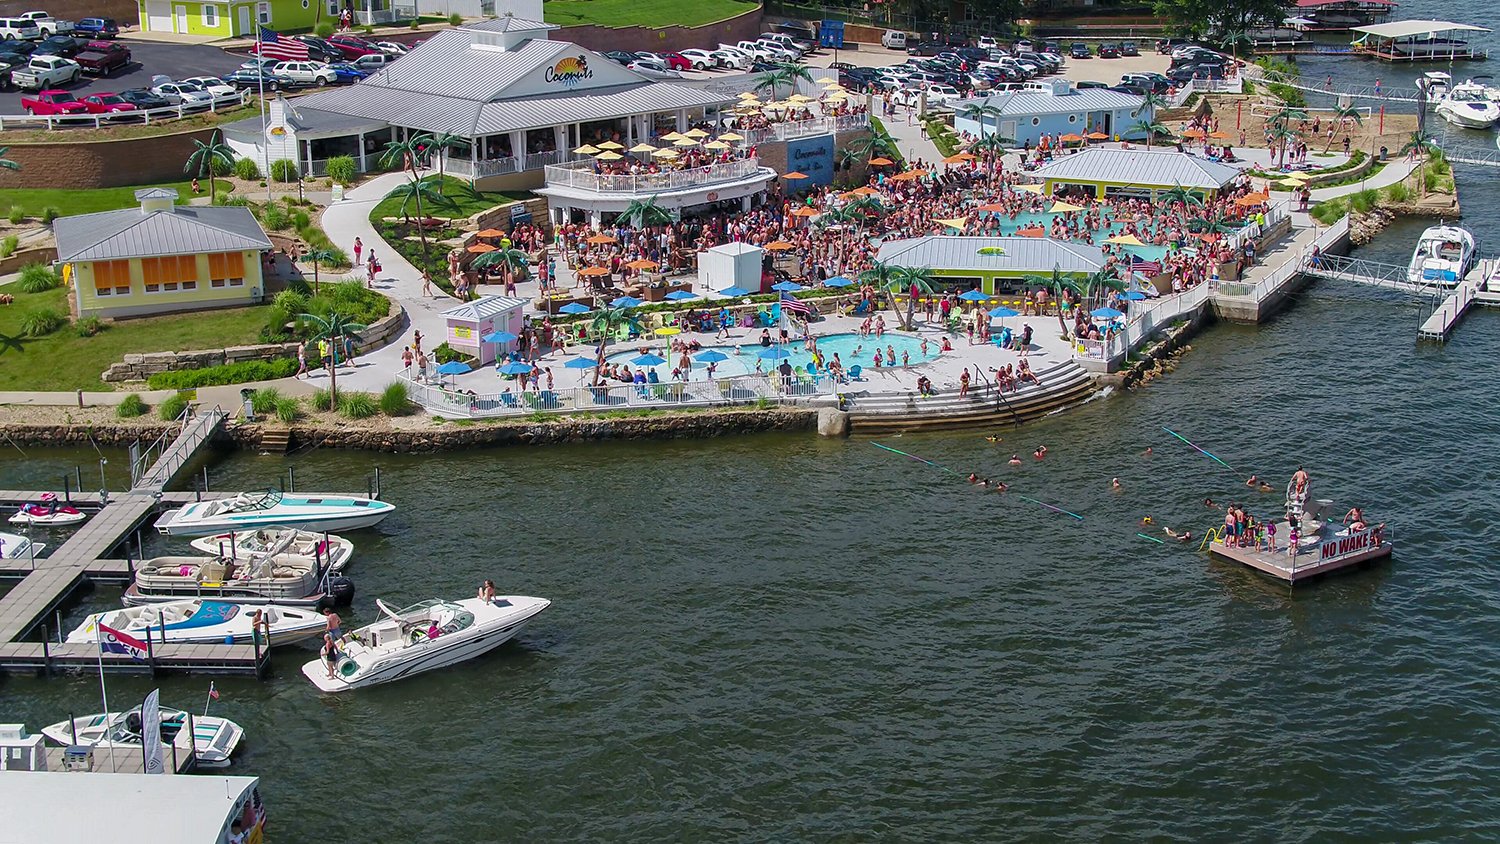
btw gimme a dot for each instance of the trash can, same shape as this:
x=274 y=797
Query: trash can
x=245 y=394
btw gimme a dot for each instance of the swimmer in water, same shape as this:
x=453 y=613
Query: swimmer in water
x=1180 y=537
x=994 y=439
x=984 y=481
x=1015 y=460
x=1253 y=481
x=1000 y=486
x=1146 y=520
x=1114 y=484
x=1147 y=452
x=973 y=478
x=1265 y=487
x=1209 y=503
x=1041 y=451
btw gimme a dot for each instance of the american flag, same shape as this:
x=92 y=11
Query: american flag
x=213 y=693
x=273 y=46
x=1145 y=267
x=112 y=641
x=793 y=304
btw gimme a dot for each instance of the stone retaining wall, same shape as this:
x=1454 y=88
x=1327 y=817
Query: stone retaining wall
x=74 y=164
x=139 y=367
x=22 y=257
x=499 y=216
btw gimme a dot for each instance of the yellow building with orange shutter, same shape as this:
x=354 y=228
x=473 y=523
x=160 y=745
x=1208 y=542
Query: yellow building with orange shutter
x=161 y=257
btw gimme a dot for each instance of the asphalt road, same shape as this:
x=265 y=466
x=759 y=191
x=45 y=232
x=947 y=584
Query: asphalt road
x=176 y=61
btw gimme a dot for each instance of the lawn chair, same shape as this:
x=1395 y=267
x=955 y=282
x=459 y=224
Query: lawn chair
x=509 y=400
x=854 y=372
x=861 y=309
x=549 y=400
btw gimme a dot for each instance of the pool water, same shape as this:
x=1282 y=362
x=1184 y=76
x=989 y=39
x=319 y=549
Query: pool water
x=851 y=349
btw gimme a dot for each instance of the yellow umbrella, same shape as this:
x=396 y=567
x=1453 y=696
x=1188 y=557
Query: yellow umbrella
x=833 y=87
x=836 y=98
x=668 y=331
x=684 y=142
x=955 y=223
x=1125 y=240
x=609 y=155
x=610 y=145
x=1060 y=207
x=1292 y=183
x=749 y=95
x=1030 y=188
x=586 y=149
x=827 y=80
x=675 y=136
x=799 y=98
x=696 y=133
x=730 y=136
x=665 y=153
x=643 y=147
x=716 y=145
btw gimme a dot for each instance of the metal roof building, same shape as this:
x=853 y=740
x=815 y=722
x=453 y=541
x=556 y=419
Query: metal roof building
x=150 y=231
x=990 y=263
x=1059 y=109
x=1110 y=170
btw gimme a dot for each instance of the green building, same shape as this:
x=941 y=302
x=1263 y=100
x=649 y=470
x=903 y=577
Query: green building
x=991 y=264
x=235 y=19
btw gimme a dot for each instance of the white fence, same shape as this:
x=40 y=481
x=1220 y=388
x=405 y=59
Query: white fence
x=147 y=115
x=580 y=174
x=463 y=167
x=1142 y=323
x=443 y=400
x=805 y=128
x=1282 y=274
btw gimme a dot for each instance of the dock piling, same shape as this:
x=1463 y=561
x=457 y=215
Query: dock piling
x=377 y=483
x=291 y=479
x=205 y=479
x=67 y=490
x=47 y=651
x=150 y=651
x=78 y=478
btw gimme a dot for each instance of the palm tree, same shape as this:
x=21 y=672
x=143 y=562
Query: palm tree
x=205 y=157
x=646 y=212
x=1344 y=111
x=1178 y=193
x=320 y=256
x=1216 y=224
x=406 y=154
x=1151 y=128
x=1060 y=284
x=980 y=111
x=1232 y=38
x=773 y=79
x=1096 y=283
x=1282 y=135
x=1153 y=101
x=605 y=324
x=437 y=144
x=1426 y=147
x=875 y=145
x=884 y=277
x=907 y=277
x=415 y=192
x=332 y=329
x=1286 y=114
x=6 y=162
x=864 y=206
x=510 y=260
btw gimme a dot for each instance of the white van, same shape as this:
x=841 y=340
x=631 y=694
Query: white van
x=893 y=39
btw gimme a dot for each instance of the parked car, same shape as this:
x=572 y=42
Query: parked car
x=52 y=102
x=1165 y=46
x=59 y=45
x=1147 y=81
x=620 y=56
x=677 y=61
x=144 y=99
x=1129 y=48
x=305 y=73
x=943 y=95
x=648 y=64
x=43 y=72
x=987 y=42
x=1109 y=50
x=788 y=43
x=352 y=46
x=212 y=84
x=1090 y=83
x=180 y=93
x=1079 y=50
x=20 y=51
x=701 y=59
x=319 y=50
x=108 y=103
x=373 y=62
x=1125 y=88
x=18 y=28
x=104 y=57
x=96 y=28
x=252 y=78
x=392 y=48
x=346 y=72
x=46 y=24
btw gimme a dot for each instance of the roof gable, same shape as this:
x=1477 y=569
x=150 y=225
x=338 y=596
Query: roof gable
x=1138 y=166
x=186 y=230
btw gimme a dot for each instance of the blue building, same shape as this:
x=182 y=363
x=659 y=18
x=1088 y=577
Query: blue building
x=1057 y=109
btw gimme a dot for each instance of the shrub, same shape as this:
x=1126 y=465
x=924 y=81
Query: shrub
x=130 y=407
x=288 y=409
x=456 y=19
x=358 y=405
x=8 y=246
x=264 y=400
x=222 y=195
x=41 y=322
x=50 y=213
x=16 y=215
x=1364 y=201
x=395 y=401
x=367 y=30
x=341 y=169
x=300 y=220
x=172 y=408
x=229 y=373
x=247 y=169
x=322 y=400
x=37 y=278
x=1429 y=180
x=275 y=217
x=291 y=302
x=284 y=170
x=236 y=200
x=414 y=25
x=89 y=326
x=1398 y=192
x=445 y=353
x=324 y=29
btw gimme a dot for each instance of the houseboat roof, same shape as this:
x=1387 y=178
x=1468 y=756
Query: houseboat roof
x=1406 y=29
x=69 y=806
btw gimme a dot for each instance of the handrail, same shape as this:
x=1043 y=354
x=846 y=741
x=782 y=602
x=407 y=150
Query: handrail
x=735 y=390
x=578 y=174
x=177 y=112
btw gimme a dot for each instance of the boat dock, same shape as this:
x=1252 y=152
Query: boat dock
x=1313 y=559
x=1451 y=304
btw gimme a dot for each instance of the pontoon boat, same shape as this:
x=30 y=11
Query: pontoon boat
x=335 y=550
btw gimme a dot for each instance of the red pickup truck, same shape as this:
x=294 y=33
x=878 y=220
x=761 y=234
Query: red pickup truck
x=102 y=58
x=53 y=102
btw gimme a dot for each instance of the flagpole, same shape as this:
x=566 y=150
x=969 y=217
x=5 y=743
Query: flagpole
x=210 y=698
x=260 y=53
x=103 y=693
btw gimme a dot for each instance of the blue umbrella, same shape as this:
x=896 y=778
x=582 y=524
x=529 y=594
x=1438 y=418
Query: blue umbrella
x=454 y=367
x=839 y=281
x=786 y=286
x=973 y=296
x=580 y=363
x=1002 y=312
x=515 y=367
x=574 y=308
x=775 y=354
x=498 y=337
x=734 y=292
x=625 y=302
x=649 y=360
x=1107 y=313
x=680 y=295
x=712 y=356
x=1135 y=295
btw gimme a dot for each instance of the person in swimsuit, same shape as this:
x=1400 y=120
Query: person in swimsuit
x=1299 y=481
x=330 y=655
x=1015 y=460
x=487 y=591
x=1209 y=503
x=1180 y=537
x=1041 y=451
x=1229 y=526
x=1114 y=484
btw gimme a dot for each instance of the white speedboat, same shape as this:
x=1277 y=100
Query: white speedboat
x=48 y=511
x=278 y=578
x=421 y=637
x=335 y=550
x=203 y=622
x=1436 y=83
x=1468 y=105
x=214 y=739
x=16 y=547
x=273 y=509
x=1444 y=254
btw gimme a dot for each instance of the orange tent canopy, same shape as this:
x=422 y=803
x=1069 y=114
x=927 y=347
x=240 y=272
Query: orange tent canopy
x=881 y=162
x=778 y=246
x=600 y=239
x=642 y=264
x=490 y=233
x=1031 y=231
x=1192 y=133
x=806 y=211
x=795 y=175
x=591 y=271
x=481 y=247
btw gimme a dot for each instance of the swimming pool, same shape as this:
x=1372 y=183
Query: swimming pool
x=851 y=349
x=1008 y=227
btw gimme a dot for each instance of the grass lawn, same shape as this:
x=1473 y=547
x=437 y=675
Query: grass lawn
x=465 y=202
x=649 y=13
x=64 y=361
x=69 y=202
x=134 y=130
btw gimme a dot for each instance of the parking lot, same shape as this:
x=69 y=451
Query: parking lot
x=176 y=61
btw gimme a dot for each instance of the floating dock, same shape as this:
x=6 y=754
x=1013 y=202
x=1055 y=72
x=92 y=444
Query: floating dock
x=1322 y=555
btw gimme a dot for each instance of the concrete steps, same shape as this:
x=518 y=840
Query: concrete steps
x=1062 y=384
x=275 y=440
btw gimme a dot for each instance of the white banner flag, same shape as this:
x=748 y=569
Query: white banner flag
x=151 y=733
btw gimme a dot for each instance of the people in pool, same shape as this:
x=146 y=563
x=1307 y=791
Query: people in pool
x=1015 y=460
x=1041 y=452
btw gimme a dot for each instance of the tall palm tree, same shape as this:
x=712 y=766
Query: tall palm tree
x=205 y=157
x=980 y=111
x=884 y=277
x=1281 y=135
x=1095 y=284
x=511 y=261
x=772 y=80
x=646 y=212
x=438 y=143
x=1153 y=101
x=875 y=145
x=414 y=192
x=332 y=329
x=606 y=323
x=1151 y=129
x=907 y=277
x=320 y=256
x=1060 y=283
x=1286 y=114
x=6 y=162
x=1344 y=111
x=1426 y=147
x=1177 y=193
x=1216 y=223
x=864 y=206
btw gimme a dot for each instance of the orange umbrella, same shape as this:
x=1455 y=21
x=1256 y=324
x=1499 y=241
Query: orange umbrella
x=881 y=162
x=1192 y=133
x=1097 y=136
x=865 y=190
x=599 y=239
x=806 y=211
x=642 y=264
x=1071 y=138
x=958 y=158
x=481 y=247
x=490 y=233
x=592 y=271
x=1248 y=200
x=1031 y=231
x=1219 y=135
x=795 y=175
x=779 y=246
